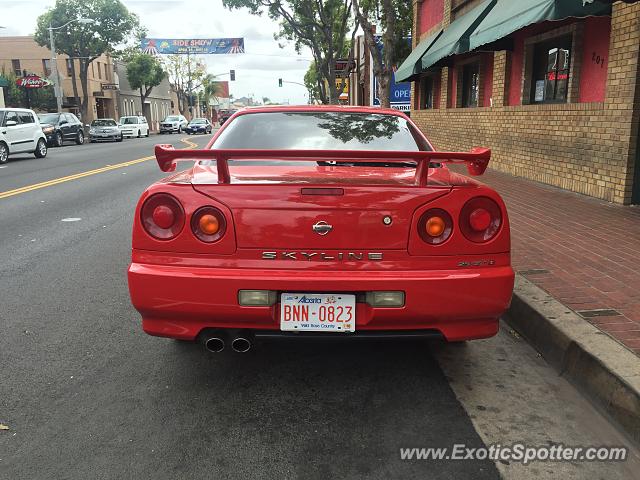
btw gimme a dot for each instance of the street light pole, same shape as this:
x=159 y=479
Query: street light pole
x=54 y=69
x=57 y=87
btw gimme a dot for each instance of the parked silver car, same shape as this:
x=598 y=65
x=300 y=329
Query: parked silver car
x=104 y=129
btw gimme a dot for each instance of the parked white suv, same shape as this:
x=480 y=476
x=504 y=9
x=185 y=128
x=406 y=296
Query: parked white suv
x=173 y=123
x=20 y=132
x=134 y=126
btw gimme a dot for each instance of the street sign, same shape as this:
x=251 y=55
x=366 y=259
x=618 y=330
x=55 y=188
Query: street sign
x=344 y=65
x=109 y=86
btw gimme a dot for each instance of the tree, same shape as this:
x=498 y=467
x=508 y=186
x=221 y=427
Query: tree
x=210 y=89
x=395 y=17
x=113 y=25
x=314 y=86
x=144 y=72
x=320 y=25
x=186 y=74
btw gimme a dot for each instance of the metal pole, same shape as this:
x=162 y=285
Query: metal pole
x=54 y=69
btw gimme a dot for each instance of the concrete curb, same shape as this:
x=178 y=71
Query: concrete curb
x=600 y=367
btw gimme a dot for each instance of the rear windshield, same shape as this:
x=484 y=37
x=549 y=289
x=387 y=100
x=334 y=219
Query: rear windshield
x=128 y=120
x=320 y=130
x=104 y=123
x=51 y=118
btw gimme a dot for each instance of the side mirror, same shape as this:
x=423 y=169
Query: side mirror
x=63 y=122
x=10 y=123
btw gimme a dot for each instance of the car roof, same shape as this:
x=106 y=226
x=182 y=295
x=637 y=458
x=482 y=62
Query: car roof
x=322 y=108
x=4 y=109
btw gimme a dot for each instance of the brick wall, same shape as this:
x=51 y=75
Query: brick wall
x=588 y=148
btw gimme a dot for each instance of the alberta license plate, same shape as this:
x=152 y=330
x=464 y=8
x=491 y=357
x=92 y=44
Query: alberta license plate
x=317 y=312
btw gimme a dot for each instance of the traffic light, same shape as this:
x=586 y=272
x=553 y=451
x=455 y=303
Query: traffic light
x=232 y=74
x=279 y=82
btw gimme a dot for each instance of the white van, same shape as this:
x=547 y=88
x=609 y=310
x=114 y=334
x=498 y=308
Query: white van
x=134 y=126
x=20 y=132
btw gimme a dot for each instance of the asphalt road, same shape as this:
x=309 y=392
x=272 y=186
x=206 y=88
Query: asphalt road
x=87 y=395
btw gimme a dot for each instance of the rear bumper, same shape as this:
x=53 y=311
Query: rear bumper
x=179 y=302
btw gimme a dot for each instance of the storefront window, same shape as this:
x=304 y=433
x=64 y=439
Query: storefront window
x=470 y=85
x=427 y=93
x=551 y=65
x=15 y=64
x=46 y=66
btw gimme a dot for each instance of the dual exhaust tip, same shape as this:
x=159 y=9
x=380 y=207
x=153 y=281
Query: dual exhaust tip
x=216 y=343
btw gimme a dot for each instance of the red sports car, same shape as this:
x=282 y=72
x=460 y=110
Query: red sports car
x=320 y=222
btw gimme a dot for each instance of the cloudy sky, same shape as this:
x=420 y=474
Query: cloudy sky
x=257 y=71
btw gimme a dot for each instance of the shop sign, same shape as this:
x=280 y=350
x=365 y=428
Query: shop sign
x=32 y=81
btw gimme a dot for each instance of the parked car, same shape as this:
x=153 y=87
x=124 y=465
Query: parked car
x=224 y=116
x=105 y=129
x=199 y=125
x=20 y=132
x=134 y=126
x=61 y=127
x=173 y=124
x=385 y=240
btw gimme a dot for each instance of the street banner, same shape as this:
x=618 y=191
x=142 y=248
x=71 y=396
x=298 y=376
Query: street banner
x=399 y=93
x=197 y=46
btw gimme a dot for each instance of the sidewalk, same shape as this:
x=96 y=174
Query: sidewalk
x=583 y=251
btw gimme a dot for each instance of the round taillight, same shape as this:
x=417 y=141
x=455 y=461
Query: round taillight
x=435 y=226
x=162 y=216
x=208 y=224
x=480 y=219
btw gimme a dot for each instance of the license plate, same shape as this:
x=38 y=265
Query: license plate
x=317 y=312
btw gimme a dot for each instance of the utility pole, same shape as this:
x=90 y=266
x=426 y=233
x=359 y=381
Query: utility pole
x=54 y=70
x=57 y=88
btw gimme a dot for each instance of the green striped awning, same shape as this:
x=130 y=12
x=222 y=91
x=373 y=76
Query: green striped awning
x=455 y=38
x=412 y=65
x=508 y=16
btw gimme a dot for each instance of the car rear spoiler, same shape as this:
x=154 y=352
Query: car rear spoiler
x=476 y=160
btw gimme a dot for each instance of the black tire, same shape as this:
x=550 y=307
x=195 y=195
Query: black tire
x=4 y=153
x=41 y=148
x=139 y=134
x=58 y=139
x=148 y=133
x=120 y=139
x=179 y=130
x=80 y=139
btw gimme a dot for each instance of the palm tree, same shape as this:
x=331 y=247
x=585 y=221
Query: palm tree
x=210 y=90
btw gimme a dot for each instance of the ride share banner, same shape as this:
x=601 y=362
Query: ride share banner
x=199 y=46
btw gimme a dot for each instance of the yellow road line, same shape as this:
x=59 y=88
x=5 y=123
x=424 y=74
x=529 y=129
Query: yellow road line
x=56 y=181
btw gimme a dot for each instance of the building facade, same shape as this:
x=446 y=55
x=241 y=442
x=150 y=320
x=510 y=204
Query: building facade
x=553 y=90
x=20 y=54
x=158 y=105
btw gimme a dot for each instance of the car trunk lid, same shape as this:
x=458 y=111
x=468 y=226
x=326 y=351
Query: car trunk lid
x=332 y=207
